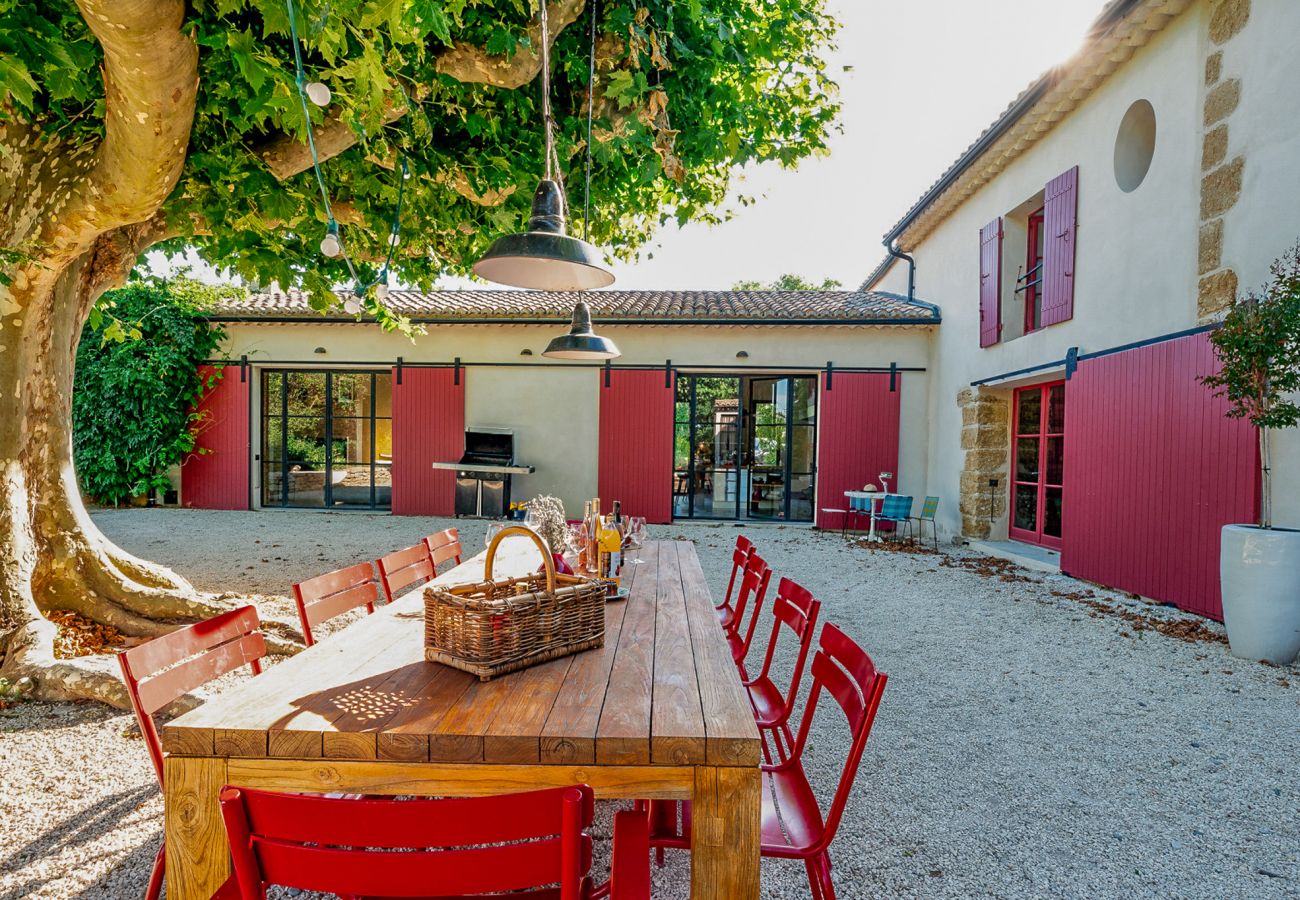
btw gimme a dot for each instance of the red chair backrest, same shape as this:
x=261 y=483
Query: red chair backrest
x=334 y=593
x=846 y=672
x=344 y=846
x=168 y=667
x=404 y=568
x=739 y=556
x=443 y=546
x=753 y=587
x=797 y=610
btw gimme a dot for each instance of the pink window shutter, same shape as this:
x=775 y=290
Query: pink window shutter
x=991 y=283
x=1060 y=225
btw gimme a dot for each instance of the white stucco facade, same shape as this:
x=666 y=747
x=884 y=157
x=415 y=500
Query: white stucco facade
x=1136 y=263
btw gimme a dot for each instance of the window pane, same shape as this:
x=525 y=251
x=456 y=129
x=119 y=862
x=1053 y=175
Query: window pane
x=306 y=393
x=271 y=383
x=272 y=439
x=769 y=443
x=351 y=394
x=1029 y=412
x=802 y=448
x=306 y=486
x=1056 y=409
x=1052 y=512
x=804 y=411
x=383 y=395
x=1055 y=460
x=801 y=498
x=1026 y=459
x=1026 y=513
x=306 y=442
x=383 y=486
x=272 y=483
x=384 y=440
x=682 y=445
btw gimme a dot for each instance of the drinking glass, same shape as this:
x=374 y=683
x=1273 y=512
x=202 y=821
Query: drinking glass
x=492 y=530
x=636 y=535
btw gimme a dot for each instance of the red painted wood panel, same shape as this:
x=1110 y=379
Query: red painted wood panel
x=857 y=437
x=636 y=444
x=1060 y=220
x=428 y=427
x=1153 y=471
x=991 y=283
x=219 y=478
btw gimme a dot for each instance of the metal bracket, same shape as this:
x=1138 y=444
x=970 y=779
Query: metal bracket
x=398 y=367
x=1071 y=362
x=243 y=369
x=668 y=373
x=830 y=373
x=455 y=377
x=893 y=377
x=607 y=371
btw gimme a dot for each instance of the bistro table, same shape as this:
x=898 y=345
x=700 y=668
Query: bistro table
x=658 y=712
x=871 y=497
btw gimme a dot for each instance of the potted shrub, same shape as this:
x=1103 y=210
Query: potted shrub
x=1258 y=347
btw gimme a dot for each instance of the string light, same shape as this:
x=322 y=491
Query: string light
x=332 y=244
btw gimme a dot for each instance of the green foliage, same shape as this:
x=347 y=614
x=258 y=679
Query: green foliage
x=136 y=381
x=788 y=282
x=686 y=93
x=1258 y=347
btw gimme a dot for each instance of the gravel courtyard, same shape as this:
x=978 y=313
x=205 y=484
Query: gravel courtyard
x=1033 y=741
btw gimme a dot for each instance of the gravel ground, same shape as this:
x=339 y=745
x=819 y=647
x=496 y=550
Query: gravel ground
x=1028 y=744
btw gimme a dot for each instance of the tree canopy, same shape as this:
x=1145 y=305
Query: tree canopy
x=788 y=282
x=685 y=92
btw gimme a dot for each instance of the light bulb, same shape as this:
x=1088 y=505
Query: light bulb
x=330 y=245
x=352 y=305
x=318 y=93
x=394 y=239
x=381 y=291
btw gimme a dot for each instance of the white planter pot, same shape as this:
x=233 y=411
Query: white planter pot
x=1259 y=570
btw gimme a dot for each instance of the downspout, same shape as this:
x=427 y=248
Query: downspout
x=892 y=247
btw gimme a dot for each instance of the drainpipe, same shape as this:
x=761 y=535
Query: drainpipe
x=892 y=247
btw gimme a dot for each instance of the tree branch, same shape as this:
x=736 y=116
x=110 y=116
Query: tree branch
x=286 y=155
x=150 y=84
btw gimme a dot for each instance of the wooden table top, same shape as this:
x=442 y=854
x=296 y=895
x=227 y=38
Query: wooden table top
x=662 y=691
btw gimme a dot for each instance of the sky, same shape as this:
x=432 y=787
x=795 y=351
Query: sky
x=919 y=81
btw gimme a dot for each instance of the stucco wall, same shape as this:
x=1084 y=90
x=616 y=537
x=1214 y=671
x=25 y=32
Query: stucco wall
x=1136 y=264
x=555 y=410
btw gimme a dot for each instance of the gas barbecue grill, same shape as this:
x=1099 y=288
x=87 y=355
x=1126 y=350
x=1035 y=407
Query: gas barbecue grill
x=483 y=472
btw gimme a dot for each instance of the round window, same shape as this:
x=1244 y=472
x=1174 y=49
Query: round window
x=1135 y=144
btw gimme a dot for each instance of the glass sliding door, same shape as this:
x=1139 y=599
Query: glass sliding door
x=744 y=447
x=326 y=439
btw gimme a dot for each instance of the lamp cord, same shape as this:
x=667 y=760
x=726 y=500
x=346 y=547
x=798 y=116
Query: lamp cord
x=591 y=105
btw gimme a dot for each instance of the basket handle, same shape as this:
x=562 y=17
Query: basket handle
x=537 y=539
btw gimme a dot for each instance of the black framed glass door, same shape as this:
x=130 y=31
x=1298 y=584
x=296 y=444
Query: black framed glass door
x=744 y=447
x=327 y=439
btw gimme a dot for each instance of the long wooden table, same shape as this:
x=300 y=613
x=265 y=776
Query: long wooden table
x=658 y=712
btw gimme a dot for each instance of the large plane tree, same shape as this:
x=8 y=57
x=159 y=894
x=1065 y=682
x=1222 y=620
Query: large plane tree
x=131 y=124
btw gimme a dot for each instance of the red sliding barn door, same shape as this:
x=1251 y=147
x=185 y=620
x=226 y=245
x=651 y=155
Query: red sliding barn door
x=428 y=427
x=1153 y=471
x=219 y=477
x=636 y=444
x=857 y=437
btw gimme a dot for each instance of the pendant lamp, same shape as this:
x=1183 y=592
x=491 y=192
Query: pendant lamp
x=545 y=257
x=581 y=342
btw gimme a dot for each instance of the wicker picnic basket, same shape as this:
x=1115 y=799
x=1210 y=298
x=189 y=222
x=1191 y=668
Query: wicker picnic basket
x=495 y=627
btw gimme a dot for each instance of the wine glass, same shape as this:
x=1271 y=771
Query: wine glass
x=493 y=529
x=636 y=535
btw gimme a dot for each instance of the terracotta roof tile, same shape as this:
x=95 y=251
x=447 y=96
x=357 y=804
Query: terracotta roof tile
x=657 y=307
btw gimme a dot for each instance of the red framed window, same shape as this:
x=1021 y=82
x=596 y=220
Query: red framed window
x=1038 y=463
x=1032 y=280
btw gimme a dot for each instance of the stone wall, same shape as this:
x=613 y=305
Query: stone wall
x=985 y=442
x=1220 y=176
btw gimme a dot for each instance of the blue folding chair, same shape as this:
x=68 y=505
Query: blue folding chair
x=897 y=510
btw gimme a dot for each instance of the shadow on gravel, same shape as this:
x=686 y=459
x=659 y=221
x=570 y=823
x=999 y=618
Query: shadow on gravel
x=82 y=827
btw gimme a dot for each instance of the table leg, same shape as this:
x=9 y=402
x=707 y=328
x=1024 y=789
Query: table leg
x=726 y=812
x=198 y=858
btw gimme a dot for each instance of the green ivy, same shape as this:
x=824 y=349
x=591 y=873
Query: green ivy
x=137 y=379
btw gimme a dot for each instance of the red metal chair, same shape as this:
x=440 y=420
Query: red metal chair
x=405 y=568
x=161 y=670
x=322 y=598
x=443 y=546
x=796 y=609
x=739 y=556
x=793 y=826
x=454 y=848
x=753 y=591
